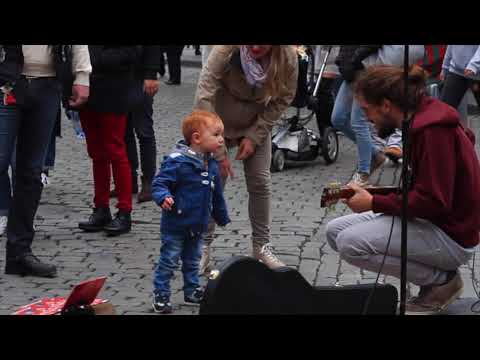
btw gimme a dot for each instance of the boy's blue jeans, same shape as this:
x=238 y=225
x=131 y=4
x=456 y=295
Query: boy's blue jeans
x=348 y=117
x=185 y=246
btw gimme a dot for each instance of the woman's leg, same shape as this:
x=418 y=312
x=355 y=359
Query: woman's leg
x=363 y=136
x=113 y=135
x=92 y=126
x=342 y=109
x=257 y=176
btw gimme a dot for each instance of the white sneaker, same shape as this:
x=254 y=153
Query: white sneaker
x=266 y=256
x=3 y=224
x=45 y=180
x=361 y=179
x=205 y=260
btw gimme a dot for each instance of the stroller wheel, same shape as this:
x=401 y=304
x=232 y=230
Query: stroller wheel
x=329 y=145
x=278 y=160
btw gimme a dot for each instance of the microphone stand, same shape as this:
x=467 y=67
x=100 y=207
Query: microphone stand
x=405 y=188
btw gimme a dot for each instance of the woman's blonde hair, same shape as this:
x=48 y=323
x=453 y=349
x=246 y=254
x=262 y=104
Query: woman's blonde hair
x=277 y=72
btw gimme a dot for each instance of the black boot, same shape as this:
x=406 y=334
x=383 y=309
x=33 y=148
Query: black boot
x=146 y=193
x=120 y=225
x=96 y=221
x=30 y=265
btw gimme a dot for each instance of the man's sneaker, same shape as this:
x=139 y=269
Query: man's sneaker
x=378 y=160
x=195 y=298
x=434 y=299
x=360 y=178
x=30 y=265
x=3 y=224
x=45 y=180
x=265 y=255
x=161 y=304
x=394 y=153
x=205 y=260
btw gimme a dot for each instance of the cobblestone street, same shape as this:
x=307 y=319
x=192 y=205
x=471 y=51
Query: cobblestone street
x=298 y=227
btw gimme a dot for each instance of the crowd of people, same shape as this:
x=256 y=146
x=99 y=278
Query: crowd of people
x=108 y=91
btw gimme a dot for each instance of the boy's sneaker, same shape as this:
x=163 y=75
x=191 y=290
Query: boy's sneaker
x=81 y=136
x=3 y=224
x=161 y=304
x=195 y=298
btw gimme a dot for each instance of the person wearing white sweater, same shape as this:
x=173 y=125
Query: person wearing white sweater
x=461 y=66
x=33 y=79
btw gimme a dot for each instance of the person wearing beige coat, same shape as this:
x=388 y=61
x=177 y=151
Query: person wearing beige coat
x=249 y=87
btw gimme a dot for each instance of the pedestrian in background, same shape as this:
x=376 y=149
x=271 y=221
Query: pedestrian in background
x=104 y=120
x=174 y=54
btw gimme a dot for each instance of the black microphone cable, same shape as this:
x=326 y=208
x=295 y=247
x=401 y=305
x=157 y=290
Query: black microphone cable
x=372 y=292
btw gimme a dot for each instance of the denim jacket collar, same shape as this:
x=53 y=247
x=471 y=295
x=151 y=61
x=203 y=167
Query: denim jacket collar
x=185 y=150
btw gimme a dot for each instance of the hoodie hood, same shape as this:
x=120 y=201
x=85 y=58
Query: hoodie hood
x=433 y=112
x=182 y=148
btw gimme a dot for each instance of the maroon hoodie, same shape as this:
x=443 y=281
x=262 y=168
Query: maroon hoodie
x=446 y=174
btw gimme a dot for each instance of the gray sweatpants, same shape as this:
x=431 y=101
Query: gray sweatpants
x=361 y=240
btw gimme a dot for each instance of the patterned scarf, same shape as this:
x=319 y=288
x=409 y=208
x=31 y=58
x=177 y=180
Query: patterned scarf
x=252 y=69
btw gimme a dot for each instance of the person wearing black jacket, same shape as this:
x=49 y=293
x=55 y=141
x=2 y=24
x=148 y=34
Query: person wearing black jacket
x=33 y=79
x=104 y=121
x=140 y=121
x=174 y=53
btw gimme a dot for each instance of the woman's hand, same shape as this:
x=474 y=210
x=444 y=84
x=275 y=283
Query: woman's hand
x=226 y=169
x=246 y=149
x=167 y=203
x=150 y=87
x=468 y=73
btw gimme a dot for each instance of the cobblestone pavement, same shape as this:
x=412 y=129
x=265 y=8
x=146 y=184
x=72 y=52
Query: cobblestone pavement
x=298 y=228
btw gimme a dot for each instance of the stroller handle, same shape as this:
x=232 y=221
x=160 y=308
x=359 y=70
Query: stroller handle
x=322 y=69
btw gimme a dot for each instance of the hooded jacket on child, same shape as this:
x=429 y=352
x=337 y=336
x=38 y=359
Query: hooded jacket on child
x=193 y=181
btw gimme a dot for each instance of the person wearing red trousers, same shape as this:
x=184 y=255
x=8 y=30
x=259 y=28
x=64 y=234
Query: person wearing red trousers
x=104 y=120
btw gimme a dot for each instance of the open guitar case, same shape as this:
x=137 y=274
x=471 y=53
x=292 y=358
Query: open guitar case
x=243 y=285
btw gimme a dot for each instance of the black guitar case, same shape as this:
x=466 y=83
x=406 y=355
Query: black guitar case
x=243 y=285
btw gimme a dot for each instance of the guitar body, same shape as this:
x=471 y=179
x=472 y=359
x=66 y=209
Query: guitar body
x=244 y=285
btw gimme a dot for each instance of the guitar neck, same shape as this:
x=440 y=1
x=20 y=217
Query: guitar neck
x=347 y=193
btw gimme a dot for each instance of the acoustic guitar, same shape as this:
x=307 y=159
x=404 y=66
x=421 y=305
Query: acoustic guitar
x=334 y=193
x=245 y=286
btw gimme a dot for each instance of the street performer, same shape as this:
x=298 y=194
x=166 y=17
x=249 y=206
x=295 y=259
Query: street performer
x=443 y=198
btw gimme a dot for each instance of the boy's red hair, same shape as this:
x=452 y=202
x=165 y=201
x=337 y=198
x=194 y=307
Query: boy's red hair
x=196 y=121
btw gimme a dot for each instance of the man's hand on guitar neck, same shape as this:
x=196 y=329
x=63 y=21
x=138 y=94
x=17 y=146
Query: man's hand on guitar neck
x=361 y=201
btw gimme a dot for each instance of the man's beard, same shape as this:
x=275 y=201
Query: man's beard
x=386 y=128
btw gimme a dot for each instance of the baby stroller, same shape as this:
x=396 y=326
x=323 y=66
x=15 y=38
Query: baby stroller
x=291 y=139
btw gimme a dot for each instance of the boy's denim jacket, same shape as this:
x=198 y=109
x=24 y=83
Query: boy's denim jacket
x=195 y=188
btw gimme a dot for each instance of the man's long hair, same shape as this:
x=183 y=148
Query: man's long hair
x=380 y=82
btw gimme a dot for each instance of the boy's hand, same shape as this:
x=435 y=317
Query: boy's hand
x=167 y=203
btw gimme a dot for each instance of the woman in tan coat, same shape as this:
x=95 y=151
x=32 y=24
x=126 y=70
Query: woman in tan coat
x=249 y=87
